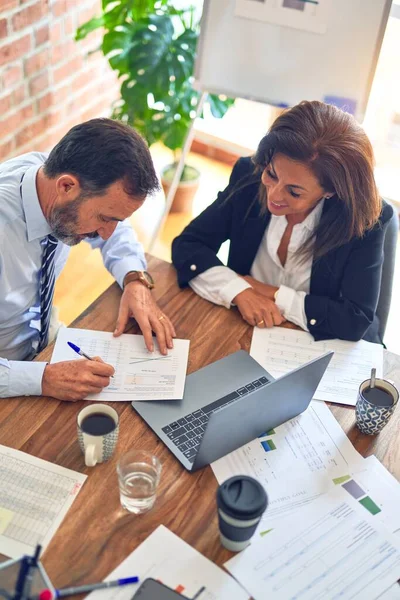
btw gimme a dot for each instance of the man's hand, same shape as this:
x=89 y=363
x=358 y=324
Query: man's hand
x=74 y=379
x=138 y=302
x=257 y=309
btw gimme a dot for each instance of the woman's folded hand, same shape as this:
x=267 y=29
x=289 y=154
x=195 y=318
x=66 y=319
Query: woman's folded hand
x=258 y=310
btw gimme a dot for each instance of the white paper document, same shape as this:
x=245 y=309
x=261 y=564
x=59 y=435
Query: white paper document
x=35 y=496
x=139 y=374
x=281 y=350
x=331 y=549
x=167 y=558
x=296 y=462
x=377 y=491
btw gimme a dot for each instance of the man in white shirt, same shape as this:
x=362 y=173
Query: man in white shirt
x=86 y=188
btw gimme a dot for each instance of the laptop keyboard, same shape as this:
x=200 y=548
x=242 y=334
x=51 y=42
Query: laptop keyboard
x=186 y=432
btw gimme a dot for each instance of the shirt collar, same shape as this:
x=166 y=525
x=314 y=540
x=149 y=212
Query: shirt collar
x=36 y=224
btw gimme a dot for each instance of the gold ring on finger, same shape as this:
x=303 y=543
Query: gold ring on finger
x=261 y=322
x=161 y=318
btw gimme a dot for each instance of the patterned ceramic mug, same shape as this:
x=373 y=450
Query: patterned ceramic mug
x=98 y=426
x=371 y=417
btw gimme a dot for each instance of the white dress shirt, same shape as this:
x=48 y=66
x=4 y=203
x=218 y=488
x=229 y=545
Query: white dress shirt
x=220 y=284
x=22 y=227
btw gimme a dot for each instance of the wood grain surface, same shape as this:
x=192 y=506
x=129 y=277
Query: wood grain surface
x=97 y=534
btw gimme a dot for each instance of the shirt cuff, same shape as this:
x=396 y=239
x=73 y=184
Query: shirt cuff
x=291 y=304
x=124 y=265
x=21 y=378
x=232 y=289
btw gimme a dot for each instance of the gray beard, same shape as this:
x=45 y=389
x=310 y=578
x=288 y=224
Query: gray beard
x=64 y=221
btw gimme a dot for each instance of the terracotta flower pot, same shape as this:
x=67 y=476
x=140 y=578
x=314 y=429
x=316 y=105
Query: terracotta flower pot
x=186 y=190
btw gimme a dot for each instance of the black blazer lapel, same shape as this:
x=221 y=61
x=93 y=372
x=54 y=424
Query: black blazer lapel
x=243 y=250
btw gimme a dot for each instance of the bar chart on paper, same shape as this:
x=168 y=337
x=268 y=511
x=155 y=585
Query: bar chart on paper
x=376 y=490
x=267 y=443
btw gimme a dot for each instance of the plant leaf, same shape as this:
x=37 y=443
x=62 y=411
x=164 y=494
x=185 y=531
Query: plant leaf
x=88 y=27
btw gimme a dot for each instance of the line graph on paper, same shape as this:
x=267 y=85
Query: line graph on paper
x=139 y=373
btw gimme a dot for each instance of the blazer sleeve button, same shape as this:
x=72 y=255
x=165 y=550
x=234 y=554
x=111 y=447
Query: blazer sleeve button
x=193 y=267
x=313 y=322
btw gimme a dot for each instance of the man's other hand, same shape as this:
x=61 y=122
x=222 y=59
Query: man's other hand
x=137 y=302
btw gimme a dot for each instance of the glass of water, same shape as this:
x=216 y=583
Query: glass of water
x=138 y=478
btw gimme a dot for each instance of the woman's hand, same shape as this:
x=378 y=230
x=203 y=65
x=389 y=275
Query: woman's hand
x=262 y=288
x=257 y=309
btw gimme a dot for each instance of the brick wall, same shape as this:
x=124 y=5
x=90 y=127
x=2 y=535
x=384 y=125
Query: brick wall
x=49 y=82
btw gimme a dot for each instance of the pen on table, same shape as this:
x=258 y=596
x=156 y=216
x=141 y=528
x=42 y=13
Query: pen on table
x=76 y=349
x=201 y=590
x=83 y=589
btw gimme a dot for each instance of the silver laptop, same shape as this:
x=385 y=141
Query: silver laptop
x=227 y=404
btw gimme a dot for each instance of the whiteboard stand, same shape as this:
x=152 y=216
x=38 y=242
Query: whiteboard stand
x=177 y=176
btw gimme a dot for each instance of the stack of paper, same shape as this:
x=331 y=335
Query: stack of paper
x=330 y=549
x=332 y=525
x=296 y=462
x=281 y=350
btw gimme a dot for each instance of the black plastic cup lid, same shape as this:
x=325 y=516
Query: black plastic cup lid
x=242 y=497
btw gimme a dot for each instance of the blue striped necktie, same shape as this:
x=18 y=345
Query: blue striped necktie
x=47 y=280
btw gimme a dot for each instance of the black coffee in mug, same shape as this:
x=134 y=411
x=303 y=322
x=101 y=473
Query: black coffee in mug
x=98 y=424
x=378 y=396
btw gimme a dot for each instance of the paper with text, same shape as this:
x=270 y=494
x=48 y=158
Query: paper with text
x=38 y=495
x=281 y=350
x=331 y=549
x=139 y=374
x=295 y=462
x=167 y=558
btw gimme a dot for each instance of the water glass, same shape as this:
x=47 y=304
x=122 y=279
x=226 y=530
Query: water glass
x=138 y=478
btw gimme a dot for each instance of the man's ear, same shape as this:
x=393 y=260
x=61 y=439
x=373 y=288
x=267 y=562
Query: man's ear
x=68 y=186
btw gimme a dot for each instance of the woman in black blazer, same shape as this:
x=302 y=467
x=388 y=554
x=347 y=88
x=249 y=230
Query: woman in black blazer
x=306 y=227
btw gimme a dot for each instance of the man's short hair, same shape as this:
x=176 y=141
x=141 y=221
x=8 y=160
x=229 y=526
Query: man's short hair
x=100 y=152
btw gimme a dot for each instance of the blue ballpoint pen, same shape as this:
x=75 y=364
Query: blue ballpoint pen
x=76 y=349
x=79 y=351
x=83 y=589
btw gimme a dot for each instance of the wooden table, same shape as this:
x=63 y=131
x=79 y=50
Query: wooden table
x=97 y=534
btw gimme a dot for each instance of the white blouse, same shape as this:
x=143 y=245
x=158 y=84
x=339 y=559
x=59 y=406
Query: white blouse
x=220 y=284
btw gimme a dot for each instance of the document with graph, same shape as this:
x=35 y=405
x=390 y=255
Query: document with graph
x=139 y=374
x=35 y=496
x=333 y=548
x=281 y=350
x=295 y=462
x=170 y=560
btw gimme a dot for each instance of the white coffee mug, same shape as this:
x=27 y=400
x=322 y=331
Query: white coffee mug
x=97 y=448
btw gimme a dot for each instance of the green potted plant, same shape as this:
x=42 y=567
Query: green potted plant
x=152 y=46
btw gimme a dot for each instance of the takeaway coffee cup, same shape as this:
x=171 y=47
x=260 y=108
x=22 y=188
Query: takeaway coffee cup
x=241 y=501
